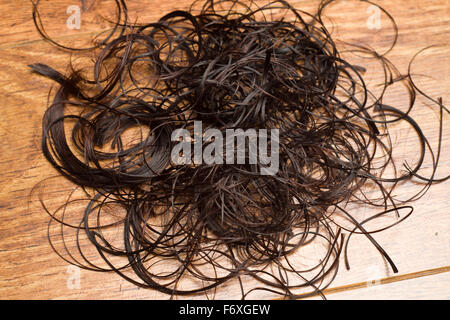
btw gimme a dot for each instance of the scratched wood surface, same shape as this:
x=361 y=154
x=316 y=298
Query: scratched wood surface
x=29 y=269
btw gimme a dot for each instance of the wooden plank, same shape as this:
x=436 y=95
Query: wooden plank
x=433 y=287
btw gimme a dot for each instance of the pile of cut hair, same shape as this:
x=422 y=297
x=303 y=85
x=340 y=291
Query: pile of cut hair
x=206 y=225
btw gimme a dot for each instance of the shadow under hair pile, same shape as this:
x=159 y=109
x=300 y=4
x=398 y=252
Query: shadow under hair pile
x=229 y=64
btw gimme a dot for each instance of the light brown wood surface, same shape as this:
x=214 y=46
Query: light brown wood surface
x=29 y=269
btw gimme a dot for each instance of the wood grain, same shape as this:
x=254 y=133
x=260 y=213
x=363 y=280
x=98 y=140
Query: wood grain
x=29 y=269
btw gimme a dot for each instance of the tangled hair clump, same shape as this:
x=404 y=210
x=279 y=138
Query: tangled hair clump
x=242 y=68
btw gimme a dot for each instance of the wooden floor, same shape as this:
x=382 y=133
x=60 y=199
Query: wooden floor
x=29 y=269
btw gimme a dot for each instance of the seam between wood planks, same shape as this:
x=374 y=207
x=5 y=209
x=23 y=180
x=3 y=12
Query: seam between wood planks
x=403 y=277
